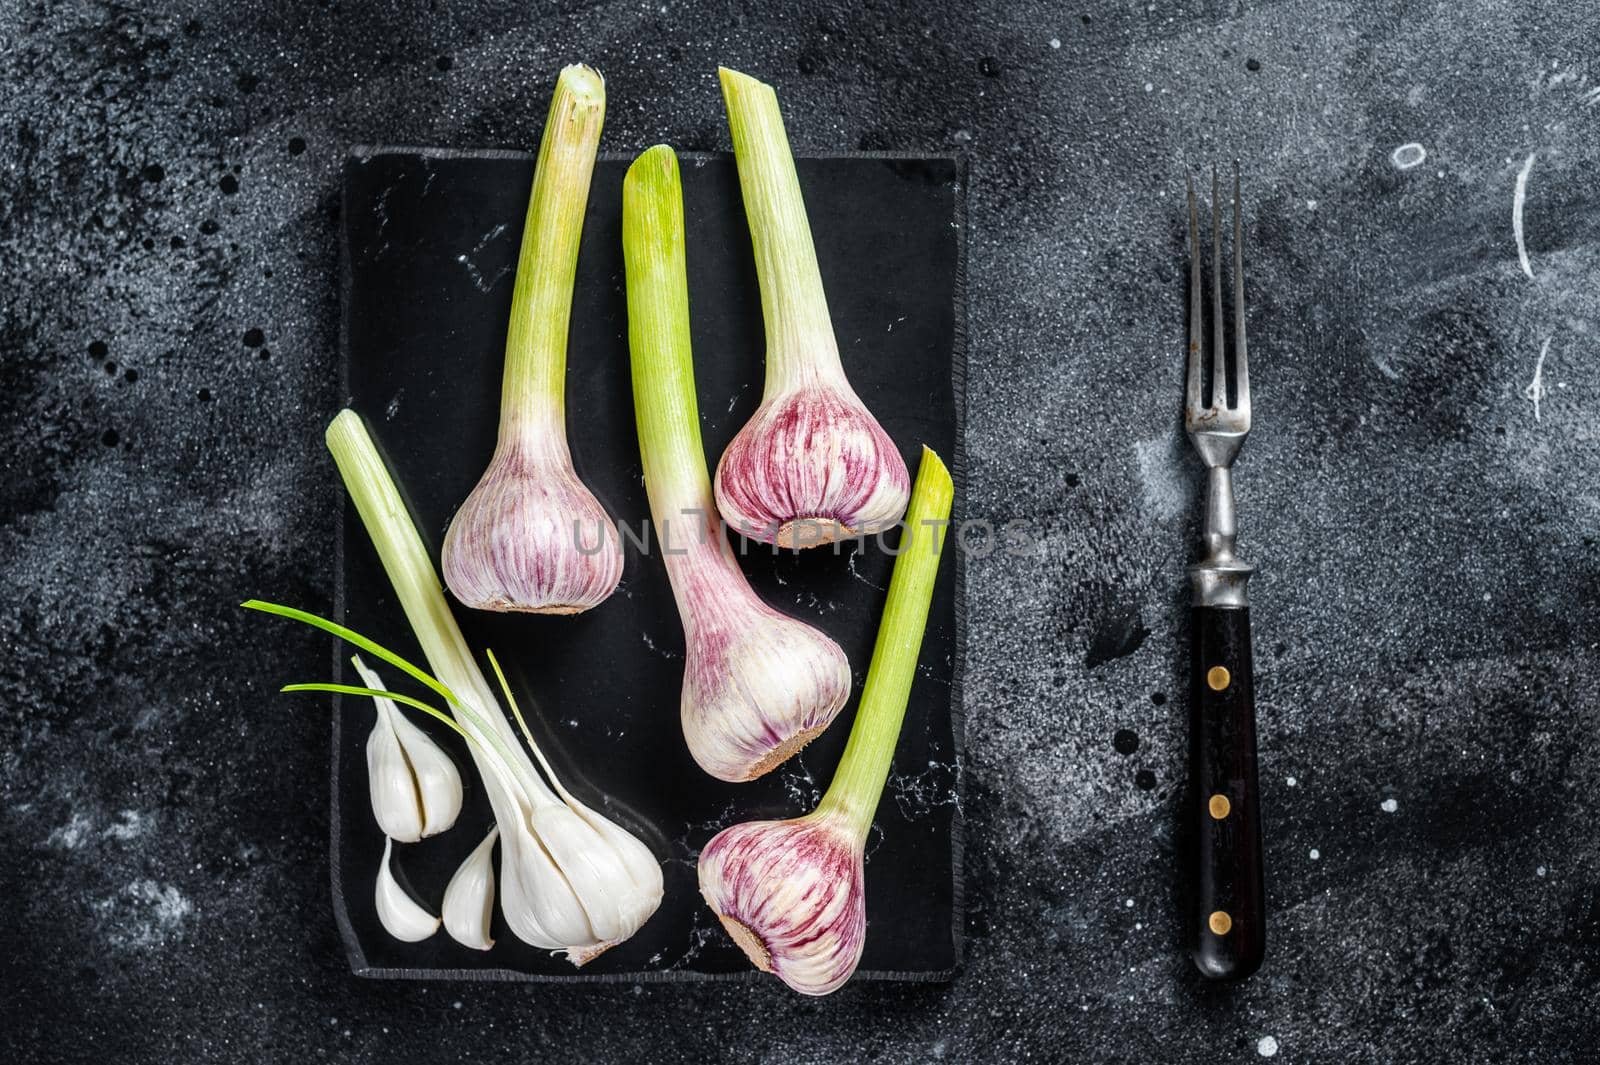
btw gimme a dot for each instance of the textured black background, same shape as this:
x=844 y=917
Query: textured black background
x=1424 y=614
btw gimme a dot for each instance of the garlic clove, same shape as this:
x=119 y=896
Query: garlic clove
x=390 y=784
x=438 y=780
x=757 y=687
x=791 y=894
x=812 y=466
x=540 y=907
x=415 y=787
x=595 y=870
x=400 y=914
x=468 y=908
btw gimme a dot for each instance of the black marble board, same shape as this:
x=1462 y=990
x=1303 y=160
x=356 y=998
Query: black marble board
x=430 y=245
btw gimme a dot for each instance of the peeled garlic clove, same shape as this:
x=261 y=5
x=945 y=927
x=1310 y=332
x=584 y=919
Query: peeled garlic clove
x=792 y=895
x=415 y=786
x=399 y=913
x=468 y=906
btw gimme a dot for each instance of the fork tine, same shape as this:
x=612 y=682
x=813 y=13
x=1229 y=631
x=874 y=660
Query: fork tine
x=1241 y=361
x=1219 y=354
x=1196 y=318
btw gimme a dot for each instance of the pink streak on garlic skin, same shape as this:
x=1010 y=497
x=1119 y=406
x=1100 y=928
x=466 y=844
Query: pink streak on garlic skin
x=757 y=685
x=531 y=537
x=795 y=891
x=812 y=453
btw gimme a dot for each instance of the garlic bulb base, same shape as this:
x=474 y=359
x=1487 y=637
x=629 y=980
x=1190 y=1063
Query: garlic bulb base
x=784 y=751
x=749 y=942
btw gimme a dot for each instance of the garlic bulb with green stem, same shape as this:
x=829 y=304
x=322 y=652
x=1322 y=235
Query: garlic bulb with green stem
x=531 y=536
x=414 y=786
x=757 y=685
x=468 y=908
x=792 y=893
x=812 y=465
x=401 y=915
x=570 y=879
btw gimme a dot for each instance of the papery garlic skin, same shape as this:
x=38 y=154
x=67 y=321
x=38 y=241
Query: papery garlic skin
x=400 y=914
x=414 y=785
x=468 y=908
x=810 y=467
x=757 y=685
x=530 y=537
x=791 y=894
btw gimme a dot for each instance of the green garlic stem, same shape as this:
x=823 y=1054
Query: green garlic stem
x=800 y=341
x=864 y=769
x=668 y=416
x=416 y=585
x=533 y=392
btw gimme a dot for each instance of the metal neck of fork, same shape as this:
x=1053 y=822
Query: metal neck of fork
x=1220 y=578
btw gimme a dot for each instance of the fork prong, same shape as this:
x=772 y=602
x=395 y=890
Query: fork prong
x=1192 y=398
x=1219 y=353
x=1241 y=361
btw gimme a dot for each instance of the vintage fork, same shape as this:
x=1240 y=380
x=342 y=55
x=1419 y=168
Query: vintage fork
x=1230 y=911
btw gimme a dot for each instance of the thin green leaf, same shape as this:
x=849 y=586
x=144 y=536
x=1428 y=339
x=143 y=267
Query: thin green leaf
x=352 y=637
x=380 y=693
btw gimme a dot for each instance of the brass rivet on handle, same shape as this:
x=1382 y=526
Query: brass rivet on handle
x=1220 y=922
x=1217 y=678
x=1219 y=806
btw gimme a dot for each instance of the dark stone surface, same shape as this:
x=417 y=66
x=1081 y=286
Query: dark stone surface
x=1424 y=613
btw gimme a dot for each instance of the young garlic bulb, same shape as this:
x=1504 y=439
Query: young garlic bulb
x=531 y=536
x=791 y=893
x=415 y=787
x=812 y=465
x=757 y=685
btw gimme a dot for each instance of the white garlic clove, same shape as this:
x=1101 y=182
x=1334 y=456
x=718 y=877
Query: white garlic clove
x=390 y=783
x=469 y=899
x=400 y=914
x=539 y=904
x=645 y=888
x=415 y=786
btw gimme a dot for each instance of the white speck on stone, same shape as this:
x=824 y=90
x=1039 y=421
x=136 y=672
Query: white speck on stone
x=1266 y=1046
x=131 y=825
x=1291 y=781
x=1408 y=156
x=1311 y=205
x=1389 y=806
x=1541 y=870
x=1149 y=87
x=71 y=835
x=1129 y=904
x=1315 y=854
x=1055 y=42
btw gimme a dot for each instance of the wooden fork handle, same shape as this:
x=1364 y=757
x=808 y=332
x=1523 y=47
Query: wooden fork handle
x=1230 y=890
